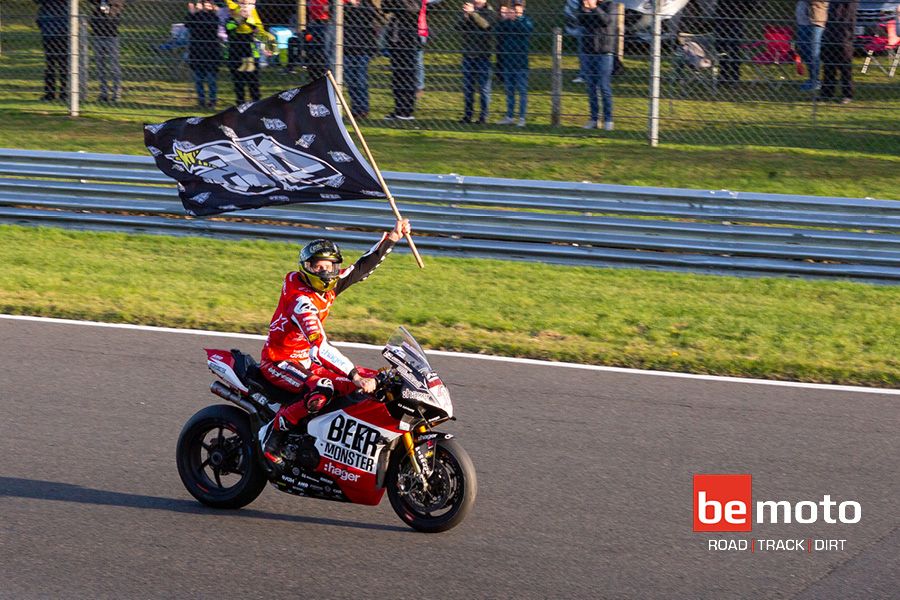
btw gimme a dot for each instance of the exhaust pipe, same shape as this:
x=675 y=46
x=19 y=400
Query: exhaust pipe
x=223 y=391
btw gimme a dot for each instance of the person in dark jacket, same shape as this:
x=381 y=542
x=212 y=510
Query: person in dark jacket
x=402 y=40
x=53 y=21
x=837 y=49
x=513 y=44
x=105 y=18
x=360 y=44
x=598 y=44
x=476 y=24
x=204 y=50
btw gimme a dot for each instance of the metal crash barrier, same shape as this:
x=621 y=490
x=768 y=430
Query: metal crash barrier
x=588 y=224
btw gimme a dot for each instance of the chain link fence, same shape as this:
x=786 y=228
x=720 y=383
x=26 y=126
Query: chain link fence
x=683 y=71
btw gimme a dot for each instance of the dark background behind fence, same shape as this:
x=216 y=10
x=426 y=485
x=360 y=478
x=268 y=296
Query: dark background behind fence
x=751 y=92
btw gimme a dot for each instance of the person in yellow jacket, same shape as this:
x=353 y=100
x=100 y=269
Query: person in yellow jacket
x=244 y=28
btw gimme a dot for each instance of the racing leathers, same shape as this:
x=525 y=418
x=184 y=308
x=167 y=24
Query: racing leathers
x=297 y=356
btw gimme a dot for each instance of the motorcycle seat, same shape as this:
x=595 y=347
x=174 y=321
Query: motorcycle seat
x=247 y=370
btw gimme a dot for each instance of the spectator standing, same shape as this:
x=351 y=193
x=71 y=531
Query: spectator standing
x=105 y=18
x=570 y=11
x=360 y=43
x=811 y=16
x=837 y=49
x=53 y=22
x=243 y=27
x=423 y=41
x=598 y=22
x=204 y=50
x=402 y=39
x=513 y=44
x=320 y=32
x=477 y=24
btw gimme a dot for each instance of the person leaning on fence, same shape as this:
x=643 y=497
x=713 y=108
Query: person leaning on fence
x=837 y=49
x=811 y=16
x=360 y=43
x=244 y=27
x=513 y=44
x=53 y=21
x=476 y=24
x=402 y=43
x=598 y=23
x=571 y=10
x=204 y=50
x=105 y=18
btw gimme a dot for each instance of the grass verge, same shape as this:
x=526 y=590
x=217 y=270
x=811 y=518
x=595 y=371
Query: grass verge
x=814 y=172
x=775 y=328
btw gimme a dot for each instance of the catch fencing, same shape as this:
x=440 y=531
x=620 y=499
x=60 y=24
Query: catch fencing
x=570 y=223
x=690 y=71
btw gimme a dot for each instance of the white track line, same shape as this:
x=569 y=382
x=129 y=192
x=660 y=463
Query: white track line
x=526 y=361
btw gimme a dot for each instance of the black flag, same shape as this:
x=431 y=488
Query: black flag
x=291 y=147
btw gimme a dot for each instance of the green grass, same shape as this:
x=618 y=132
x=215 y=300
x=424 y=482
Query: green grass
x=816 y=172
x=776 y=328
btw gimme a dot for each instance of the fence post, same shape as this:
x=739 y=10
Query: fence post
x=74 y=58
x=655 y=67
x=339 y=42
x=556 y=78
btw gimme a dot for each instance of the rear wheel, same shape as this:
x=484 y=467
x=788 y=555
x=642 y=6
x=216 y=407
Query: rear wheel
x=451 y=489
x=217 y=458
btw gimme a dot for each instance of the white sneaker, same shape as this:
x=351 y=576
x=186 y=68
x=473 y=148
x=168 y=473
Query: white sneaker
x=521 y=122
x=608 y=126
x=578 y=79
x=506 y=121
x=590 y=125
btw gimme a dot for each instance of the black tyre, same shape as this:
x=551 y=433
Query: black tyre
x=451 y=489
x=217 y=458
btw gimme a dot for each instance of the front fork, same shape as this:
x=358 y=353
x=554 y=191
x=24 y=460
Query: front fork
x=410 y=445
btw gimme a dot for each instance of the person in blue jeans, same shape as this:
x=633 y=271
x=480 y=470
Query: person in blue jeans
x=598 y=45
x=477 y=24
x=513 y=43
x=360 y=44
x=811 y=17
x=204 y=51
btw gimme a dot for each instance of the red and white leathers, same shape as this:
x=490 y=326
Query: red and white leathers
x=297 y=356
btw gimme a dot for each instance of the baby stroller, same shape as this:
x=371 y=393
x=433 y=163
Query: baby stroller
x=695 y=63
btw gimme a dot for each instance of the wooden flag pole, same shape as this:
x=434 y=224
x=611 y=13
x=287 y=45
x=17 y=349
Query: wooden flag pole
x=381 y=180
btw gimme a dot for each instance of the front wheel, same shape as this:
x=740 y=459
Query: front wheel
x=450 y=494
x=216 y=458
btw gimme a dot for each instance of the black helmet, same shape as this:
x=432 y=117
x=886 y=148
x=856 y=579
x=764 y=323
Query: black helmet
x=320 y=280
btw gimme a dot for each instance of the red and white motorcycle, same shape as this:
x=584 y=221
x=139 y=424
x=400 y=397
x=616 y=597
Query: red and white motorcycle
x=354 y=451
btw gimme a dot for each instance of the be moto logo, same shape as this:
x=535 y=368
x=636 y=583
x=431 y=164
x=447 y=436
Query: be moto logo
x=723 y=503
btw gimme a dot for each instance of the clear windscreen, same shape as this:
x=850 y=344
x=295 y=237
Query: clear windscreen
x=410 y=350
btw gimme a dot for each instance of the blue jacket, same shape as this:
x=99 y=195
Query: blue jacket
x=513 y=43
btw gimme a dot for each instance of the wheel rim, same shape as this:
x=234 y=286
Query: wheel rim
x=445 y=488
x=218 y=458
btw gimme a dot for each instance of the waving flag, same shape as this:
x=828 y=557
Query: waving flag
x=285 y=149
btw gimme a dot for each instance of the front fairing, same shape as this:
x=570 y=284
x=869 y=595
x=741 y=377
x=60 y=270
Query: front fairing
x=420 y=384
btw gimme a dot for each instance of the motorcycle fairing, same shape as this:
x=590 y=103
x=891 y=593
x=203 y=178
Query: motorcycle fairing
x=352 y=443
x=221 y=362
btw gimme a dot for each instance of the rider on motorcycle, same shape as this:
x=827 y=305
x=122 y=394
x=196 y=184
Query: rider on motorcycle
x=297 y=356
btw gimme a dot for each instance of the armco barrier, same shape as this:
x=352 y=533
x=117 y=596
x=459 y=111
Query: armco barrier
x=573 y=223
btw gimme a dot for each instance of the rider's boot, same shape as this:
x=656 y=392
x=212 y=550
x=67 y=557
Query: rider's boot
x=271 y=439
x=273 y=435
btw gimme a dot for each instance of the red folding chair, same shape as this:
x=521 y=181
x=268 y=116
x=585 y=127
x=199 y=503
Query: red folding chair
x=776 y=44
x=887 y=44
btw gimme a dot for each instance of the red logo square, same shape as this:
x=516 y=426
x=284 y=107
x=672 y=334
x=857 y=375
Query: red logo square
x=722 y=502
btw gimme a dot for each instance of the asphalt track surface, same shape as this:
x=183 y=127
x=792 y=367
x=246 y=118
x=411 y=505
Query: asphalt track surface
x=585 y=485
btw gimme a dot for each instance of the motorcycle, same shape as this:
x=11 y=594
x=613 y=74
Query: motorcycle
x=356 y=449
